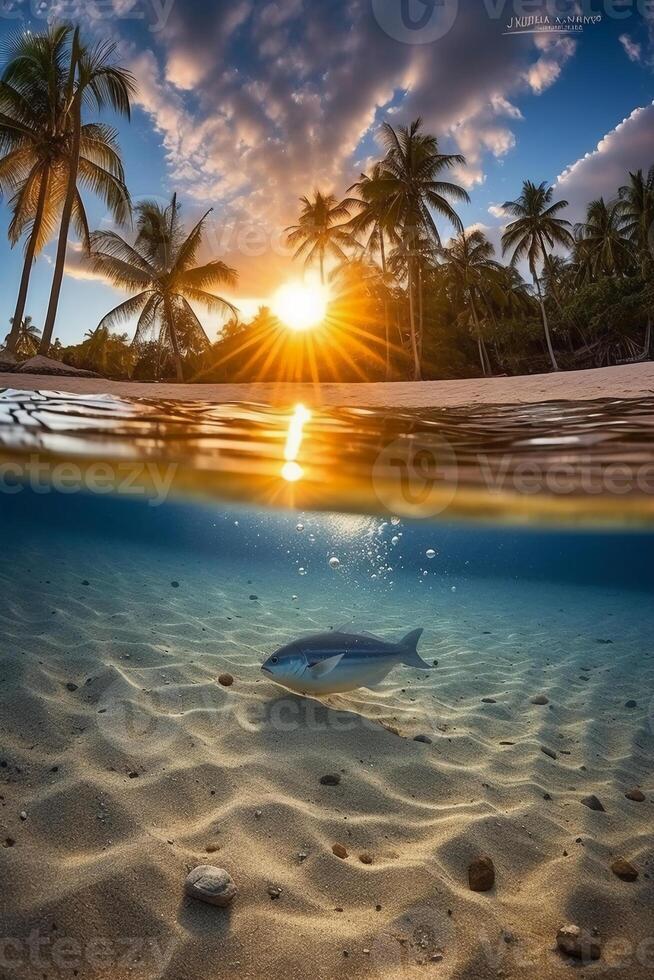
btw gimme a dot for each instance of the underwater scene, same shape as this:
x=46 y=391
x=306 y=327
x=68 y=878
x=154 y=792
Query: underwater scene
x=447 y=753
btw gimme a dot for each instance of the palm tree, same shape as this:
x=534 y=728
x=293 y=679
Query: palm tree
x=35 y=150
x=413 y=188
x=601 y=246
x=92 y=78
x=371 y=222
x=535 y=230
x=318 y=233
x=159 y=268
x=474 y=274
x=636 y=202
x=27 y=337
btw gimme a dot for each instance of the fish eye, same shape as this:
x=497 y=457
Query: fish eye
x=274 y=660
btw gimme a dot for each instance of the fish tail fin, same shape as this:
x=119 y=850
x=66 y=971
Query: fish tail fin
x=409 y=651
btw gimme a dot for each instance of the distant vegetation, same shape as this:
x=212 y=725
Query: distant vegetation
x=406 y=301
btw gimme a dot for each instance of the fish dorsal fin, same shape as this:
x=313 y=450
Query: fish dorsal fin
x=343 y=627
x=324 y=667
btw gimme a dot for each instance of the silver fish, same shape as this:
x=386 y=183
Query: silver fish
x=333 y=662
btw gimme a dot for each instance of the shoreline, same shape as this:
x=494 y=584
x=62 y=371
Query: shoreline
x=622 y=381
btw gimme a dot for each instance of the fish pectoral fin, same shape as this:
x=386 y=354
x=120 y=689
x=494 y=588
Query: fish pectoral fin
x=324 y=667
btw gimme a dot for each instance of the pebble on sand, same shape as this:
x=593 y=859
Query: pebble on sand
x=488 y=701
x=340 y=851
x=175 y=585
x=226 y=680
x=540 y=699
x=481 y=874
x=636 y=795
x=330 y=779
x=578 y=943
x=71 y=687
x=212 y=885
x=423 y=738
x=365 y=858
x=593 y=803
x=624 y=870
x=550 y=752
x=631 y=704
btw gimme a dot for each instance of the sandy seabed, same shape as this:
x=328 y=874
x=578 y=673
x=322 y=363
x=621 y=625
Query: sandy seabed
x=125 y=764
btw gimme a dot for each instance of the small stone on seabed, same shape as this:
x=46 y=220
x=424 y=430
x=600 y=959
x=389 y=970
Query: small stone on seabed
x=71 y=687
x=226 y=680
x=365 y=858
x=422 y=738
x=636 y=795
x=175 y=585
x=550 y=752
x=540 y=699
x=339 y=851
x=212 y=885
x=631 y=704
x=330 y=779
x=23 y=815
x=578 y=943
x=274 y=892
x=593 y=803
x=488 y=701
x=481 y=874
x=624 y=870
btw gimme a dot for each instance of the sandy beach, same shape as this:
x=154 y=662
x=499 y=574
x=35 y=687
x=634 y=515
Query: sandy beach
x=125 y=763
x=627 y=381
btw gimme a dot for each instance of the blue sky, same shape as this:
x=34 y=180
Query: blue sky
x=244 y=106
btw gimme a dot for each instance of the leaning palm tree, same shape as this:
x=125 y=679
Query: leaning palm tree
x=534 y=233
x=35 y=150
x=27 y=337
x=92 y=79
x=414 y=189
x=601 y=246
x=473 y=272
x=320 y=233
x=159 y=268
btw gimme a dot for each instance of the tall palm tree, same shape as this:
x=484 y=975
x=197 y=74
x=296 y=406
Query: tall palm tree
x=27 y=337
x=474 y=274
x=320 y=233
x=601 y=246
x=159 y=268
x=35 y=150
x=412 y=168
x=370 y=221
x=534 y=233
x=92 y=79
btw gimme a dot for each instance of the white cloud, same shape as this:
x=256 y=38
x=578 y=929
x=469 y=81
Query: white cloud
x=628 y=147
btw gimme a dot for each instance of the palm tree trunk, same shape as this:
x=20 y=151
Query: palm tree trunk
x=387 y=325
x=322 y=268
x=420 y=312
x=412 y=323
x=30 y=252
x=172 y=333
x=62 y=247
x=546 y=326
x=483 y=356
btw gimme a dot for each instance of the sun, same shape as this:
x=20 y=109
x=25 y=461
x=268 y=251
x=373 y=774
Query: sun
x=300 y=306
